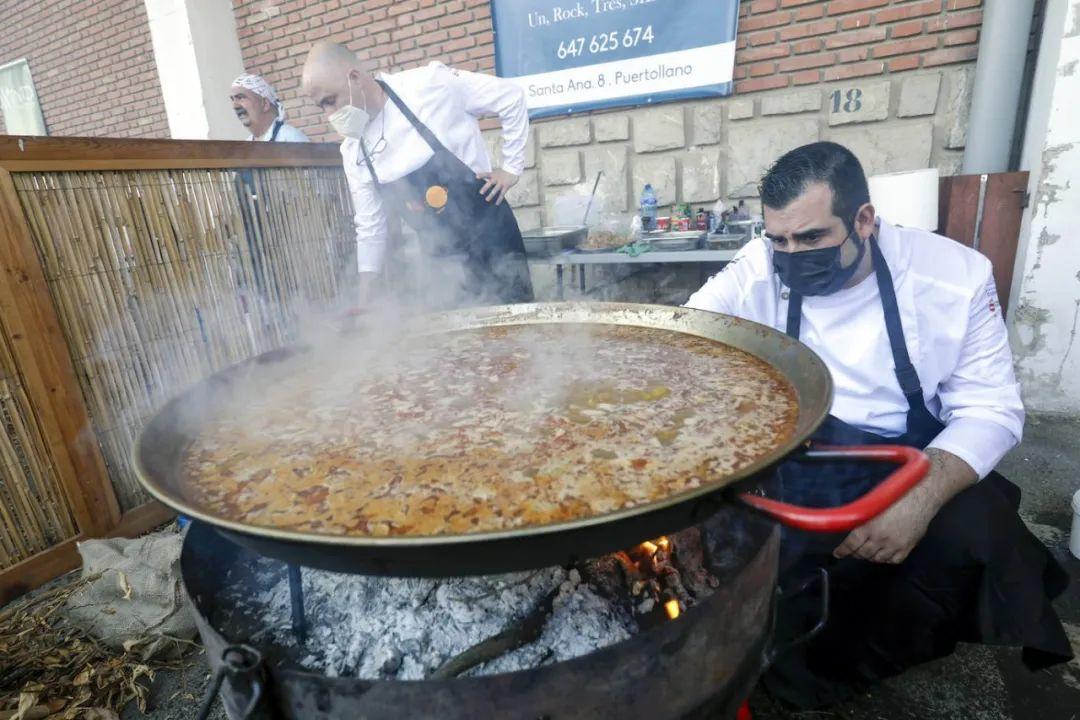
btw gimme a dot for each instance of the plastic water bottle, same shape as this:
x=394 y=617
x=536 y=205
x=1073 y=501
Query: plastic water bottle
x=648 y=208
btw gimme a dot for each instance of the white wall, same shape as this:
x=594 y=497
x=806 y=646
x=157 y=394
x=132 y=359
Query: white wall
x=1045 y=312
x=197 y=55
x=217 y=50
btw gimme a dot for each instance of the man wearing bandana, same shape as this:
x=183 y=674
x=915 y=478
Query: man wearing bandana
x=258 y=108
x=413 y=149
x=909 y=326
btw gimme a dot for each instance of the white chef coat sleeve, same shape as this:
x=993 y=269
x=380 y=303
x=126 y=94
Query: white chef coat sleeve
x=980 y=400
x=724 y=291
x=368 y=216
x=489 y=95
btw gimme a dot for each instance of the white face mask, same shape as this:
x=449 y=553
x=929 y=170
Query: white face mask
x=350 y=120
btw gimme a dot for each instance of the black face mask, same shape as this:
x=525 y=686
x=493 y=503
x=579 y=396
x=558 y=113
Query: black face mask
x=817 y=272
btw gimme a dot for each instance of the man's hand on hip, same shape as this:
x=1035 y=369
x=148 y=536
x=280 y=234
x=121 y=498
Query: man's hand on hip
x=497 y=184
x=892 y=535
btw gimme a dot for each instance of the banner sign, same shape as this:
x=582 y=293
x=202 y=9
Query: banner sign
x=572 y=55
x=19 y=101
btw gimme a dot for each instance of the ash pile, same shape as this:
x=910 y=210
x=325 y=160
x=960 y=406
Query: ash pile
x=385 y=628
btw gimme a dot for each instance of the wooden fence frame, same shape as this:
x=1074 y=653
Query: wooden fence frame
x=985 y=212
x=33 y=327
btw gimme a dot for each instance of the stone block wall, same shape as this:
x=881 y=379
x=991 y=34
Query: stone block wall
x=699 y=152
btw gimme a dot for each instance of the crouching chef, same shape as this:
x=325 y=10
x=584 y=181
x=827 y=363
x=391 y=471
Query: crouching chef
x=910 y=327
x=413 y=148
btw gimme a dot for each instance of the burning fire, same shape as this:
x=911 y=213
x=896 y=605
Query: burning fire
x=657 y=580
x=652 y=560
x=649 y=548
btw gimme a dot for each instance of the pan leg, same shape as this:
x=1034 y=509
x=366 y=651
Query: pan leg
x=296 y=596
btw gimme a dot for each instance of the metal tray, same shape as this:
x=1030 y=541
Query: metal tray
x=548 y=241
x=725 y=241
x=670 y=244
x=676 y=240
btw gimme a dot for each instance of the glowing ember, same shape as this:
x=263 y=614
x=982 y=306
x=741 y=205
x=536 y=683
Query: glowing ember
x=671 y=607
x=649 y=548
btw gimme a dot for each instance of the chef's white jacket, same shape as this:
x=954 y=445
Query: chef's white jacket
x=449 y=102
x=952 y=324
x=287 y=133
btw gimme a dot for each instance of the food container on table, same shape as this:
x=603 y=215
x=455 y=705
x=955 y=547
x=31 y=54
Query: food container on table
x=663 y=224
x=673 y=241
x=741 y=227
x=611 y=233
x=725 y=241
x=548 y=241
x=702 y=222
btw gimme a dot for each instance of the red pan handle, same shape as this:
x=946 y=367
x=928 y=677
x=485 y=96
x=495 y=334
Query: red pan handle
x=913 y=468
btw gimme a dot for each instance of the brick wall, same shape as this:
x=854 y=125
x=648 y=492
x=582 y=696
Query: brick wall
x=92 y=64
x=399 y=34
x=786 y=43
x=782 y=43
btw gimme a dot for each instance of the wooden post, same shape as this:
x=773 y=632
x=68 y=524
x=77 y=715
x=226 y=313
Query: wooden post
x=28 y=317
x=1002 y=212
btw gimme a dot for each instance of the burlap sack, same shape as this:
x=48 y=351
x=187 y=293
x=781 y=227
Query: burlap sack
x=134 y=599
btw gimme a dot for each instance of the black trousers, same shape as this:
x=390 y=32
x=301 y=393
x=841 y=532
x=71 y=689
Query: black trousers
x=978 y=575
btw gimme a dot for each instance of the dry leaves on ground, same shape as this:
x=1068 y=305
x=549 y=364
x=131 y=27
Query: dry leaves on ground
x=51 y=669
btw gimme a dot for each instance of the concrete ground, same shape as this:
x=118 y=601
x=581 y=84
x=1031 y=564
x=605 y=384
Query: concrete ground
x=976 y=683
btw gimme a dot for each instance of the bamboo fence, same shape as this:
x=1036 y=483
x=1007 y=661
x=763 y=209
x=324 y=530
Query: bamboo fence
x=160 y=277
x=34 y=514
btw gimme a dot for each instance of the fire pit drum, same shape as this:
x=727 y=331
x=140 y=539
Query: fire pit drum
x=699 y=666
x=161 y=448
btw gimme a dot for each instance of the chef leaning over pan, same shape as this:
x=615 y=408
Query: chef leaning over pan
x=413 y=147
x=909 y=325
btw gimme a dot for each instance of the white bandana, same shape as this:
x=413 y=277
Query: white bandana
x=258 y=85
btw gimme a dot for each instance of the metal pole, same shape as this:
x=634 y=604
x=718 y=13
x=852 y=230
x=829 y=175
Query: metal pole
x=999 y=75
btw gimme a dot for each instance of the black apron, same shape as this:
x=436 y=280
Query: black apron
x=277 y=127
x=441 y=201
x=978 y=575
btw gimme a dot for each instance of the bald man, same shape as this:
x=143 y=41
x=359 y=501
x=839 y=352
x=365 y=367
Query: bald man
x=413 y=146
